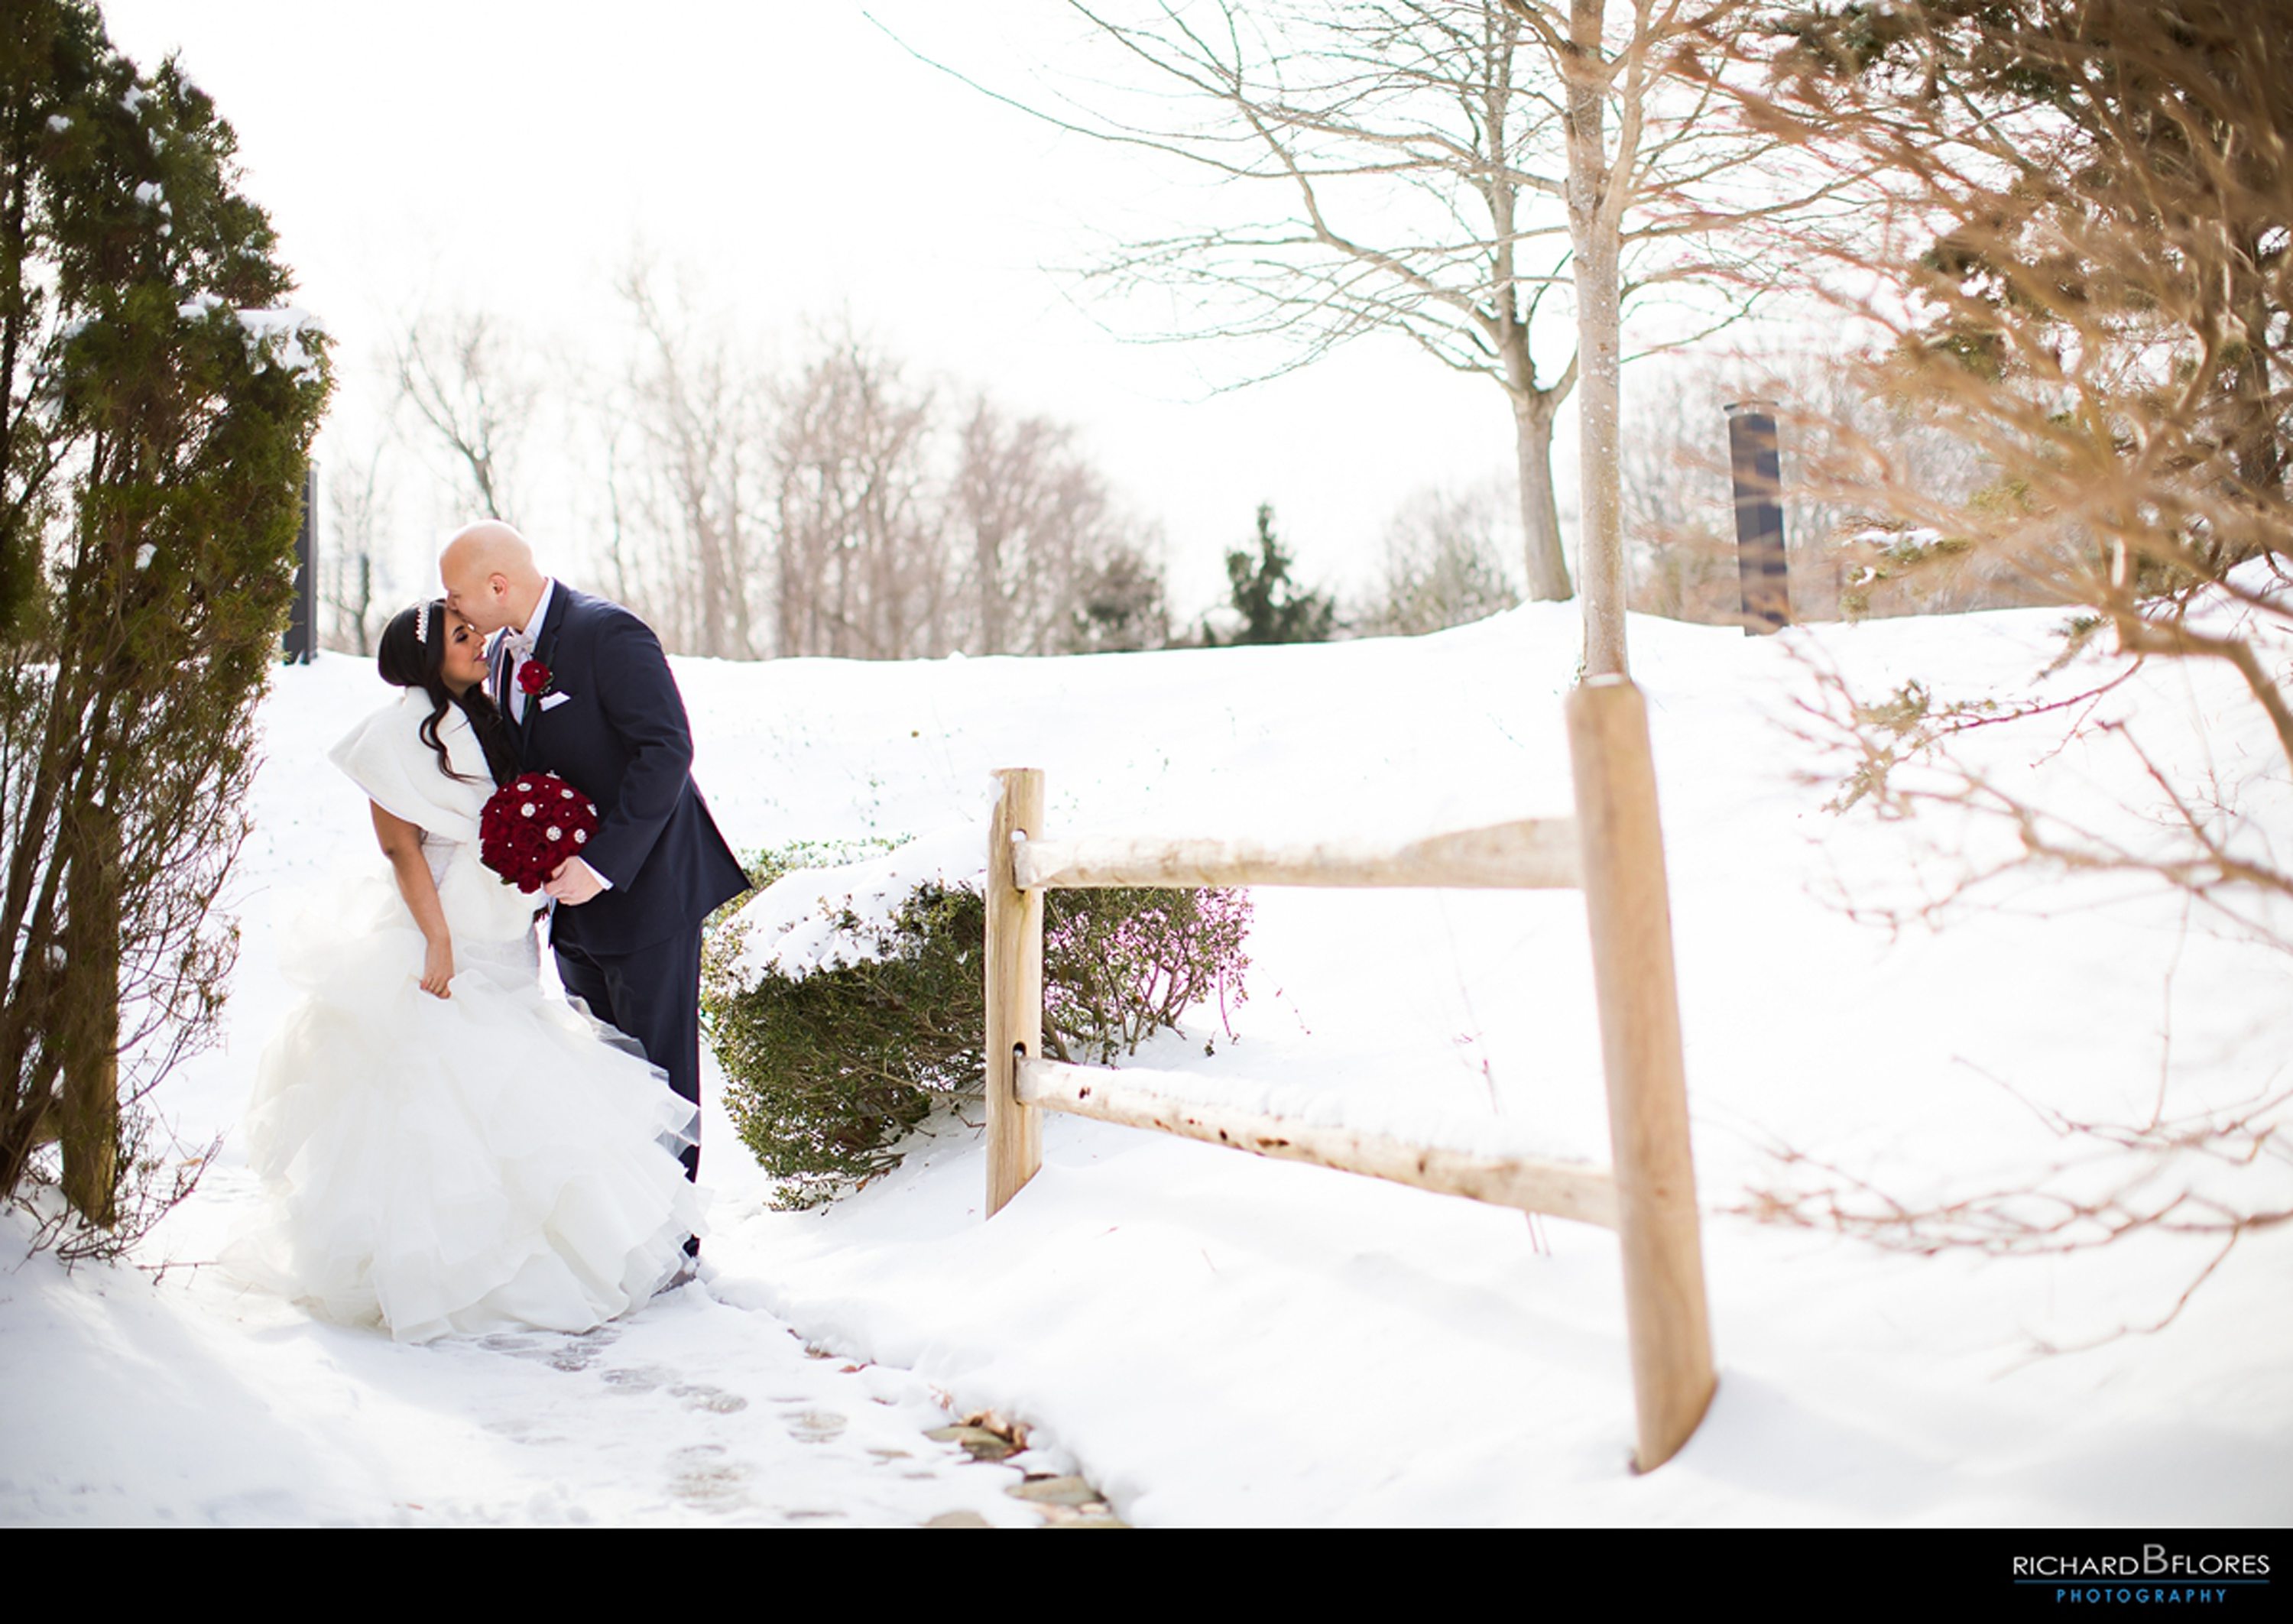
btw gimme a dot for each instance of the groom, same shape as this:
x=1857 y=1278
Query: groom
x=587 y=694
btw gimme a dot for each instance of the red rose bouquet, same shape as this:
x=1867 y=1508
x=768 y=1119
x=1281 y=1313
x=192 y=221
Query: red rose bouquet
x=531 y=824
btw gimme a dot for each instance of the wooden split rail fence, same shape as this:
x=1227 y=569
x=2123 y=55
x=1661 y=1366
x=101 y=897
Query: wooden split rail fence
x=1612 y=850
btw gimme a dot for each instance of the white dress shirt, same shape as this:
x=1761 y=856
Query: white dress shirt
x=522 y=648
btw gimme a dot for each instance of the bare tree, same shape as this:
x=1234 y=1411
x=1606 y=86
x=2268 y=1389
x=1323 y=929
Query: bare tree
x=641 y=578
x=1437 y=169
x=833 y=511
x=1672 y=480
x=1388 y=142
x=1666 y=188
x=862 y=570
x=1445 y=564
x=357 y=511
x=694 y=476
x=472 y=384
x=1036 y=530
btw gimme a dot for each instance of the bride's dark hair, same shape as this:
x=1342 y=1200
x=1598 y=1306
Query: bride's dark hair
x=407 y=661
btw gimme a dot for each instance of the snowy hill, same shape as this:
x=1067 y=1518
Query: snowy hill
x=1214 y=1338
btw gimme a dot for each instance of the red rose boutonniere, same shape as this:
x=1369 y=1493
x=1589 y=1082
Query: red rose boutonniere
x=535 y=678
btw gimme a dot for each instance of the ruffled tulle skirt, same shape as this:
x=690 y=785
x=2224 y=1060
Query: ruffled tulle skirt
x=491 y=1160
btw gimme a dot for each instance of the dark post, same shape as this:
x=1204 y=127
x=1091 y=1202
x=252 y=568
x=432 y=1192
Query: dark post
x=89 y=1120
x=303 y=628
x=1761 y=565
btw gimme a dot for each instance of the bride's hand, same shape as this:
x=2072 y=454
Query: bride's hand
x=438 y=968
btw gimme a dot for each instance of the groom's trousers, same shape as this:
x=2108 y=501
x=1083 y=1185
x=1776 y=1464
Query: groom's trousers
x=654 y=996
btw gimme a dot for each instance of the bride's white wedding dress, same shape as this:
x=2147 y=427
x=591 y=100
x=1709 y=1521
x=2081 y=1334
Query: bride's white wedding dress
x=486 y=1161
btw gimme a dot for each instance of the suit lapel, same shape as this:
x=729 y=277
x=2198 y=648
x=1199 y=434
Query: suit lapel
x=545 y=650
x=561 y=600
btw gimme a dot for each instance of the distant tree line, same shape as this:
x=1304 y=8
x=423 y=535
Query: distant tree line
x=842 y=507
x=847 y=507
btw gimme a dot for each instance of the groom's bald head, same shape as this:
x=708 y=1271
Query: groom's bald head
x=490 y=575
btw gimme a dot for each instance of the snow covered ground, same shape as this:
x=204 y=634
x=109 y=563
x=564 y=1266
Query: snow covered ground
x=1212 y=1339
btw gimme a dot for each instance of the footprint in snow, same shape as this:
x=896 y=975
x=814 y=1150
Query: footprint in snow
x=519 y=1430
x=634 y=1379
x=814 y=1426
x=702 y=1477
x=569 y=1354
x=716 y=1400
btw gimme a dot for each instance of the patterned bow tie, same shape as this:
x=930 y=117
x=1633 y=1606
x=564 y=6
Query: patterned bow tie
x=520 y=644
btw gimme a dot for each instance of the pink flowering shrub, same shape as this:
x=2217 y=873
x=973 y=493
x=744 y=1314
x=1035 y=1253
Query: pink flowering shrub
x=1129 y=963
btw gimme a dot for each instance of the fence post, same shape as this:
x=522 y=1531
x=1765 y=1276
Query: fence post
x=302 y=644
x=1629 y=909
x=1014 y=989
x=1762 y=566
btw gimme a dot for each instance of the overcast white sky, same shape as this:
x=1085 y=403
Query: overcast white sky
x=801 y=163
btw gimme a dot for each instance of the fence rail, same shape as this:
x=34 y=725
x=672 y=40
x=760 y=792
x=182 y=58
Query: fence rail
x=1564 y=1190
x=1612 y=849
x=1536 y=853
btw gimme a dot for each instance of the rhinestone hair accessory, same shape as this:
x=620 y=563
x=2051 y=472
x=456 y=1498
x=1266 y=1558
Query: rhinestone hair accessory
x=422 y=623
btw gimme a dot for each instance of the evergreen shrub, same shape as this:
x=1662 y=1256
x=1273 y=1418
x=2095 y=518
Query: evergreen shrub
x=826 y=1071
x=158 y=397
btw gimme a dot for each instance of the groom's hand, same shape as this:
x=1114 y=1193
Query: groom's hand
x=574 y=883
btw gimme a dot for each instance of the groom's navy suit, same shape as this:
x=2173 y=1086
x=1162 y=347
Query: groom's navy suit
x=620 y=736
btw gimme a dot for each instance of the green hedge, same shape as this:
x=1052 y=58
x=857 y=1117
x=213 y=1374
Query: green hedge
x=826 y=1071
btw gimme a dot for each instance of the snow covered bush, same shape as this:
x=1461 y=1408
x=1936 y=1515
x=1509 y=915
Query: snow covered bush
x=845 y=999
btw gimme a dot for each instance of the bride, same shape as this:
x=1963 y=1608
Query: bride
x=447 y=1148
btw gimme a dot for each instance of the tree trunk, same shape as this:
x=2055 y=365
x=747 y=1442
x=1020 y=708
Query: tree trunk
x=709 y=558
x=2257 y=449
x=1600 y=531
x=90 y=1125
x=1594 y=229
x=1540 y=510
x=14 y=318
x=1533 y=406
x=988 y=564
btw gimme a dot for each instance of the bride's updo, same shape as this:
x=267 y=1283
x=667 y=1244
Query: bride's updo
x=412 y=654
